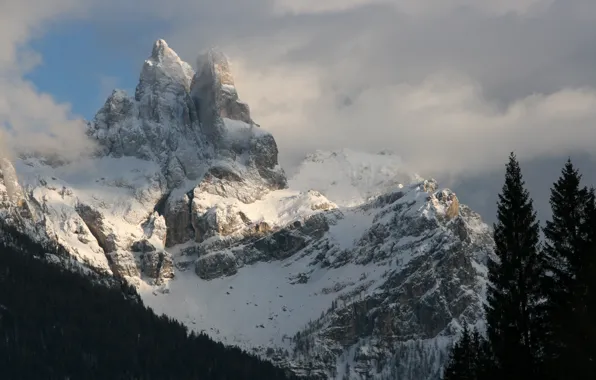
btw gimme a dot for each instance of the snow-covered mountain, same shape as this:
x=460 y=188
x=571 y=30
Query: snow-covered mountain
x=351 y=269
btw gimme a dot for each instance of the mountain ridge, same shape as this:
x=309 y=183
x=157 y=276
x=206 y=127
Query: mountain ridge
x=185 y=200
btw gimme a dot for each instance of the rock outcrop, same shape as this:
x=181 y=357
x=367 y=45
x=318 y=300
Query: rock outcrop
x=216 y=265
x=157 y=265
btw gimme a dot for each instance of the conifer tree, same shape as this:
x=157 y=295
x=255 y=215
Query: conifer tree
x=587 y=277
x=483 y=363
x=458 y=367
x=564 y=283
x=513 y=324
x=469 y=359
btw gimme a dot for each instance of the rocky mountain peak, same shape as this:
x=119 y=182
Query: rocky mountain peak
x=161 y=48
x=163 y=70
x=214 y=92
x=357 y=269
x=216 y=61
x=187 y=122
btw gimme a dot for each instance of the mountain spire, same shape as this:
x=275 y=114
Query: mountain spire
x=159 y=48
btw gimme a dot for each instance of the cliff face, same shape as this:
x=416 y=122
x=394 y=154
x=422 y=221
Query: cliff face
x=357 y=269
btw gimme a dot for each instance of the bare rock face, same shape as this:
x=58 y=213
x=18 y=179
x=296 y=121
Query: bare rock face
x=12 y=198
x=449 y=201
x=453 y=209
x=122 y=261
x=166 y=268
x=263 y=151
x=142 y=246
x=104 y=234
x=178 y=220
x=216 y=265
x=215 y=95
x=123 y=264
x=227 y=122
x=157 y=265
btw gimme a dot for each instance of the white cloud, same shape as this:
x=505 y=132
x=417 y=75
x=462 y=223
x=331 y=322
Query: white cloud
x=452 y=85
x=33 y=121
x=29 y=119
x=442 y=125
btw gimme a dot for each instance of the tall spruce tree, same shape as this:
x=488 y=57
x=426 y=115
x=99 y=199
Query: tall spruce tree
x=565 y=282
x=458 y=367
x=513 y=309
x=468 y=359
x=587 y=277
x=483 y=364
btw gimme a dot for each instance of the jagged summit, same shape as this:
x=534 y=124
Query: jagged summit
x=213 y=86
x=162 y=70
x=160 y=48
x=215 y=59
x=187 y=122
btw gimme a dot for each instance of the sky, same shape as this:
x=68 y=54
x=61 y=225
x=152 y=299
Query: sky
x=452 y=86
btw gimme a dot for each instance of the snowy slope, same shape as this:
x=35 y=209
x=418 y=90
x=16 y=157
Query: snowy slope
x=363 y=252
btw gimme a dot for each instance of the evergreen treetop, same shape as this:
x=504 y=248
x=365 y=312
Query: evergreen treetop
x=514 y=294
x=568 y=250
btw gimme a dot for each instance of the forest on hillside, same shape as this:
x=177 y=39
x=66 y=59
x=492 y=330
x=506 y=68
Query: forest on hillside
x=56 y=323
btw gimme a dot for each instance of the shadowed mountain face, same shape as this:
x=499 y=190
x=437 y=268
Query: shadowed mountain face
x=353 y=268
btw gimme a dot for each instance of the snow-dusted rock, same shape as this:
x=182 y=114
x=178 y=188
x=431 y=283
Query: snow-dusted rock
x=123 y=264
x=178 y=220
x=358 y=269
x=13 y=203
x=216 y=265
x=143 y=245
x=431 y=279
x=156 y=228
x=219 y=220
x=160 y=123
x=157 y=265
x=215 y=95
x=102 y=231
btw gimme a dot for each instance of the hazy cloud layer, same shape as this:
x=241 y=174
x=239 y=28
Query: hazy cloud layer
x=451 y=85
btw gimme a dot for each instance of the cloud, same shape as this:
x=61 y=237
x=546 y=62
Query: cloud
x=33 y=121
x=453 y=86
x=442 y=125
x=29 y=119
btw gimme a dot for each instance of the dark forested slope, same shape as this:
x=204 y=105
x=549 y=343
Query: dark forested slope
x=57 y=324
